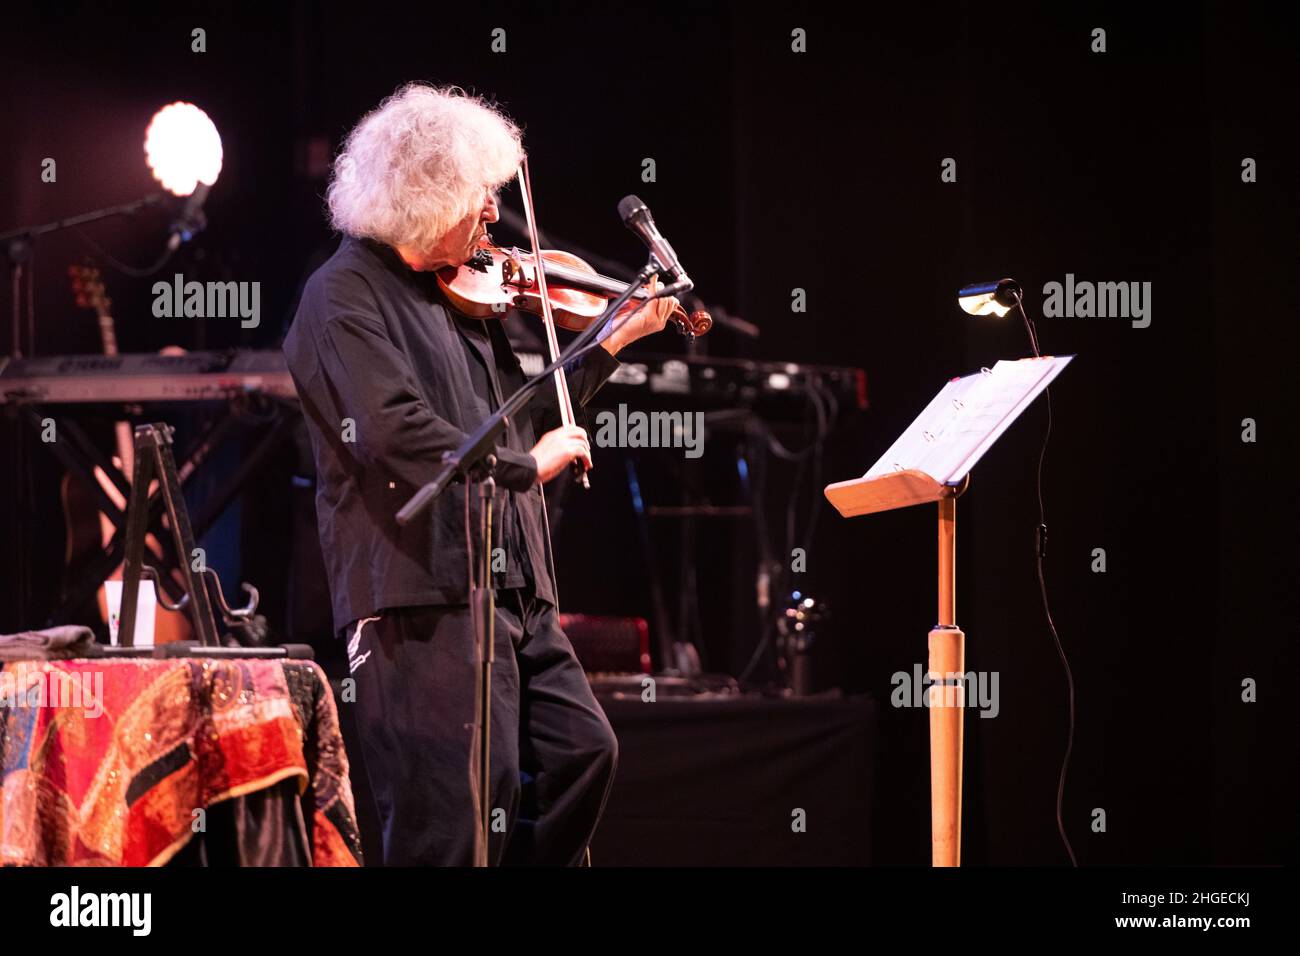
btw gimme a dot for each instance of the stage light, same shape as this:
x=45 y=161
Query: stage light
x=989 y=298
x=183 y=148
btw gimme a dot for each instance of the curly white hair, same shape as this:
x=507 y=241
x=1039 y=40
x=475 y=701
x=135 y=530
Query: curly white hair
x=420 y=163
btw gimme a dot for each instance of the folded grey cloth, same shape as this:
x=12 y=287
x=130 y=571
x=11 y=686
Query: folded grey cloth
x=54 y=643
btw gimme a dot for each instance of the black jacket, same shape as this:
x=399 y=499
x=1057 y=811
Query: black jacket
x=379 y=361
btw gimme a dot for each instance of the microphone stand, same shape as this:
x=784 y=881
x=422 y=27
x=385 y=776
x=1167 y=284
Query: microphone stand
x=17 y=247
x=475 y=461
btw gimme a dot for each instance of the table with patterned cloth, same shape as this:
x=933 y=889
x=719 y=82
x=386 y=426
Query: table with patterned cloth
x=125 y=762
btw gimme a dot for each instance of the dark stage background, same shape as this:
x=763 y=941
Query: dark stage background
x=821 y=171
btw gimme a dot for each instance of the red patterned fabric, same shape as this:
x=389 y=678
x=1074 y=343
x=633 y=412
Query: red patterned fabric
x=105 y=762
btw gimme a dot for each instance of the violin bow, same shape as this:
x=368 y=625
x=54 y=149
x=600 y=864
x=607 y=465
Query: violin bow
x=548 y=320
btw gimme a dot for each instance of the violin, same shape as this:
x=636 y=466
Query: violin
x=565 y=291
x=497 y=279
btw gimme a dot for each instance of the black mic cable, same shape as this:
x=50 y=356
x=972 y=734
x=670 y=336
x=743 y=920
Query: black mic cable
x=1040 y=552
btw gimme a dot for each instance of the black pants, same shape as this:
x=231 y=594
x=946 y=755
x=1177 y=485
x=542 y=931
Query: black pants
x=416 y=711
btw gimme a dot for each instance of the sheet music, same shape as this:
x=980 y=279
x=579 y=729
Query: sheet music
x=967 y=416
x=914 y=445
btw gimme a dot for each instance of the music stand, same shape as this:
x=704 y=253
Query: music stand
x=931 y=461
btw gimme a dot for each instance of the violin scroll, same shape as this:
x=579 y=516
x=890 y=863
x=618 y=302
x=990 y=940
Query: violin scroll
x=692 y=324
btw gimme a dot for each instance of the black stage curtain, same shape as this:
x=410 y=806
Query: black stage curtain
x=718 y=782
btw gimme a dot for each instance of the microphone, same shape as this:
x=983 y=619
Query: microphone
x=191 y=220
x=983 y=298
x=636 y=216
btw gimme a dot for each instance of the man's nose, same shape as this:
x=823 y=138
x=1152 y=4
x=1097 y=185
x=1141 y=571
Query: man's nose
x=490 y=211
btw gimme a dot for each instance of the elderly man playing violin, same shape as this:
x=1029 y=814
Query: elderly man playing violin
x=391 y=376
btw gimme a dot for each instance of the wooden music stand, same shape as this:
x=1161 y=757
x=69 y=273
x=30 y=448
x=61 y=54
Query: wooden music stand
x=948 y=438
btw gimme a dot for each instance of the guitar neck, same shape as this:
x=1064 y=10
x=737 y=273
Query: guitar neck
x=107 y=333
x=122 y=435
